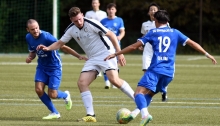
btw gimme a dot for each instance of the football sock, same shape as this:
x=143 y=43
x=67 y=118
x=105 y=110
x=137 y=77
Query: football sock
x=140 y=101
x=144 y=113
x=47 y=101
x=61 y=94
x=135 y=112
x=148 y=99
x=88 y=102
x=107 y=83
x=127 y=90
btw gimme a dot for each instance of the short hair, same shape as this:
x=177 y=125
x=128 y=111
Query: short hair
x=162 y=16
x=74 y=11
x=153 y=4
x=110 y=5
x=30 y=21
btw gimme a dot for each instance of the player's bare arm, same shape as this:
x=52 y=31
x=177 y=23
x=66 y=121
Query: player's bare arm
x=114 y=40
x=197 y=47
x=30 y=57
x=128 y=49
x=54 y=46
x=121 y=35
x=69 y=50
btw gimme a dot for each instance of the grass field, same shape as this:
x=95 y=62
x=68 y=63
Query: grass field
x=194 y=94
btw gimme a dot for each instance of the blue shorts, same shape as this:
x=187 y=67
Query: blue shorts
x=51 y=78
x=154 y=81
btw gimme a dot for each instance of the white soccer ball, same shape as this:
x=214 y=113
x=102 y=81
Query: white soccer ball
x=122 y=113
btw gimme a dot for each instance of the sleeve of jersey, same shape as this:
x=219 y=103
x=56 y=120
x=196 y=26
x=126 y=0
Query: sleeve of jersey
x=29 y=47
x=142 y=29
x=66 y=37
x=145 y=38
x=51 y=39
x=182 y=38
x=122 y=24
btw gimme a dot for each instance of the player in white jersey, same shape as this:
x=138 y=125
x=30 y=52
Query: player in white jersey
x=148 y=50
x=98 y=15
x=165 y=41
x=97 y=42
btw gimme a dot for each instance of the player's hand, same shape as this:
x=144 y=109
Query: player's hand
x=121 y=60
x=28 y=60
x=109 y=57
x=83 y=58
x=141 y=48
x=43 y=47
x=212 y=58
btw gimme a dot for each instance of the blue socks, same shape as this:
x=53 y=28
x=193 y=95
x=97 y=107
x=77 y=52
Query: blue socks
x=61 y=94
x=142 y=101
x=47 y=101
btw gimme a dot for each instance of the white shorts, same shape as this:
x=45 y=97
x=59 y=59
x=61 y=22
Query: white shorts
x=147 y=56
x=98 y=64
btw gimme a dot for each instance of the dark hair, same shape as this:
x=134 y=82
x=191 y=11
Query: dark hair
x=153 y=4
x=30 y=21
x=162 y=16
x=74 y=11
x=111 y=5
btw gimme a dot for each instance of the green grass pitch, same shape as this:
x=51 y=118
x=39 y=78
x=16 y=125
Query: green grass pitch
x=194 y=94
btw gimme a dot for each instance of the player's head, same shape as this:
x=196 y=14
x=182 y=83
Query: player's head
x=152 y=8
x=161 y=17
x=111 y=10
x=76 y=17
x=95 y=5
x=33 y=28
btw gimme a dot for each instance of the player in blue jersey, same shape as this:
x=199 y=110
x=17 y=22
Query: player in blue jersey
x=164 y=41
x=116 y=25
x=148 y=50
x=49 y=68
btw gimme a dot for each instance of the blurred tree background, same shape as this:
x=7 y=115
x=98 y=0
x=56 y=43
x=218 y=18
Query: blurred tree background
x=192 y=17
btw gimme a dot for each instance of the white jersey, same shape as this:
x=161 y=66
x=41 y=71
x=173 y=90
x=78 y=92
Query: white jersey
x=97 y=15
x=91 y=38
x=148 y=50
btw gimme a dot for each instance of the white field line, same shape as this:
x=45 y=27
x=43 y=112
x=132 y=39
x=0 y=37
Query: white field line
x=81 y=64
x=119 y=101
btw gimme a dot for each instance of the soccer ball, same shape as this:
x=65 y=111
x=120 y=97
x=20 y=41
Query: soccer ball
x=122 y=113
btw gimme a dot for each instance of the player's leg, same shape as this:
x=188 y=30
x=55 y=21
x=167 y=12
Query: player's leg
x=85 y=79
x=164 y=84
x=53 y=88
x=164 y=95
x=41 y=79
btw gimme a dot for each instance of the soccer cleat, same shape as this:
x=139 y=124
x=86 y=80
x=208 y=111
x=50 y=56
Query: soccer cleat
x=52 y=116
x=146 y=120
x=99 y=75
x=164 y=97
x=68 y=101
x=107 y=87
x=128 y=118
x=87 y=118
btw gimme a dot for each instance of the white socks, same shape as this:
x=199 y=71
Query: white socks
x=127 y=90
x=144 y=113
x=88 y=102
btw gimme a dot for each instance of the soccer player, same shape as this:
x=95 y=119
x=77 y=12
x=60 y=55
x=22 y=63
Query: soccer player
x=116 y=25
x=49 y=68
x=164 y=41
x=98 y=15
x=148 y=50
x=97 y=42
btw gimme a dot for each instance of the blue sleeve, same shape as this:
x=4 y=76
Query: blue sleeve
x=181 y=37
x=50 y=38
x=146 y=38
x=122 y=23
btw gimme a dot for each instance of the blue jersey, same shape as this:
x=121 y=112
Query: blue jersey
x=46 y=59
x=113 y=24
x=164 y=41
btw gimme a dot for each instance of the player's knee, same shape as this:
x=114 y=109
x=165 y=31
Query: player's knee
x=52 y=95
x=39 y=92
